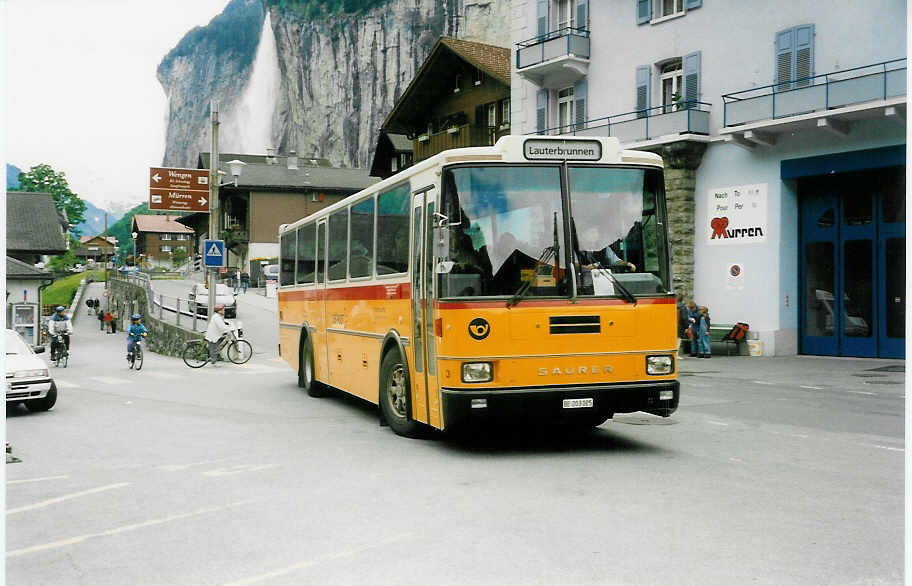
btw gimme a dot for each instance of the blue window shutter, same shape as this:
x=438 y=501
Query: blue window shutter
x=582 y=14
x=644 y=11
x=785 y=46
x=691 y=4
x=804 y=54
x=642 y=88
x=580 y=90
x=542 y=17
x=692 y=78
x=541 y=110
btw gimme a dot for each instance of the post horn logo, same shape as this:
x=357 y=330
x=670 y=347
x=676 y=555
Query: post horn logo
x=479 y=328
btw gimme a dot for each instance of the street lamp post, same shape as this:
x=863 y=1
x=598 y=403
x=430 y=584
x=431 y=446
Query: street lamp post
x=134 y=234
x=235 y=167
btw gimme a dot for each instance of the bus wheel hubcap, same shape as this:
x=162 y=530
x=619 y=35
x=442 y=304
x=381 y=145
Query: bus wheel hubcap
x=395 y=390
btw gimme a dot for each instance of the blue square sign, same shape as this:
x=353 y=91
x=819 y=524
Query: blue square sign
x=214 y=253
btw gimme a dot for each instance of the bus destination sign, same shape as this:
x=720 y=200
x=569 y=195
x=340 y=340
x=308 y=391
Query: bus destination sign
x=551 y=150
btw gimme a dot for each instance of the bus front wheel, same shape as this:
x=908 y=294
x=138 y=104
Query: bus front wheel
x=394 y=396
x=306 y=371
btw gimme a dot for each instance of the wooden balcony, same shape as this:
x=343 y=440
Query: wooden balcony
x=456 y=137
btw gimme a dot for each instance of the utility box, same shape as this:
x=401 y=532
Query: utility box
x=755 y=348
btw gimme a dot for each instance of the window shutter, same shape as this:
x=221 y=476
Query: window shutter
x=804 y=54
x=692 y=78
x=691 y=4
x=582 y=14
x=642 y=88
x=541 y=111
x=784 y=57
x=579 y=96
x=644 y=11
x=542 y=17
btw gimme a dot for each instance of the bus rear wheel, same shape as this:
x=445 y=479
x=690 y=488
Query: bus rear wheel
x=306 y=372
x=394 y=396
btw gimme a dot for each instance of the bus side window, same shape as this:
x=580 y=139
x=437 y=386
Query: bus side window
x=393 y=231
x=287 y=250
x=361 y=247
x=321 y=253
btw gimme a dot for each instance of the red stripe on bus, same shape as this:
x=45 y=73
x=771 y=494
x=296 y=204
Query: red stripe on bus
x=371 y=292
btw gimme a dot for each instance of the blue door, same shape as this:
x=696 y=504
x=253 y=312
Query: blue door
x=853 y=264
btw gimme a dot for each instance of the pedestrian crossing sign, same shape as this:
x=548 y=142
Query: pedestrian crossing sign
x=214 y=253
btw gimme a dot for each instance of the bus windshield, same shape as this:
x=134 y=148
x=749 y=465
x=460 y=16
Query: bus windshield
x=506 y=228
x=506 y=232
x=617 y=230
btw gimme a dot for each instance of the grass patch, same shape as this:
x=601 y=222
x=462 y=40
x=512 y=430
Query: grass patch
x=61 y=291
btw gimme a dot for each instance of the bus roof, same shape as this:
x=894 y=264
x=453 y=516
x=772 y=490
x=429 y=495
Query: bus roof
x=514 y=148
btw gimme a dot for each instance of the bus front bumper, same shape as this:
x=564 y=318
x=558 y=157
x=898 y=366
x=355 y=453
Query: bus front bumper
x=560 y=404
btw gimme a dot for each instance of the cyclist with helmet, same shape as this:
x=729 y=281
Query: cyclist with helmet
x=215 y=330
x=135 y=332
x=60 y=324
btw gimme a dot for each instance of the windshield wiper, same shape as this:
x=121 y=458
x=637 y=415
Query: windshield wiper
x=547 y=253
x=624 y=292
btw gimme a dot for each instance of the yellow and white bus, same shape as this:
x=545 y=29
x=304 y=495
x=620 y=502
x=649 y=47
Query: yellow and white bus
x=526 y=279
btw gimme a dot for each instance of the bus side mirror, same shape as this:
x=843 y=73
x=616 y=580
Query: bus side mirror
x=441 y=235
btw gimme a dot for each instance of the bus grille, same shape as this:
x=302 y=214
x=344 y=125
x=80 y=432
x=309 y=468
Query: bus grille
x=575 y=324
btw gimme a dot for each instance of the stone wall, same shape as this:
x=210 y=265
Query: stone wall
x=681 y=161
x=163 y=338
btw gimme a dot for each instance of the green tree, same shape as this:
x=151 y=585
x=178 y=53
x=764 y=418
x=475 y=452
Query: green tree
x=178 y=257
x=42 y=178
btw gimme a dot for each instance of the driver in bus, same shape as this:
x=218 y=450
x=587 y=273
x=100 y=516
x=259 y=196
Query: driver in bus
x=604 y=258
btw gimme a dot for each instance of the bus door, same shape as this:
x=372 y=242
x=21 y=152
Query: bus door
x=425 y=390
x=321 y=336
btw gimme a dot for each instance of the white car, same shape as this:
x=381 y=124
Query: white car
x=223 y=295
x=271 y=272
x=28 y=379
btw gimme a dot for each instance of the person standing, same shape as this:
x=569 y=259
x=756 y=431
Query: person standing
x=245 y=281
x=107 y=321
x=114 y=317
x=693 y=327
x=101 y=319
x=216 y=328
x=704 y=345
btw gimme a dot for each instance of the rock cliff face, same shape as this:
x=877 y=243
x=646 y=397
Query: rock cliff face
x=339 y=76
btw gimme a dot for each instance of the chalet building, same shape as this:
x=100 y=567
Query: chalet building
x=393 y=153
x=784 y=144
x=460 y=97
x=158 y=237
x=34 y=227
x=272 y=190
x=24 y=284
x=96 y=248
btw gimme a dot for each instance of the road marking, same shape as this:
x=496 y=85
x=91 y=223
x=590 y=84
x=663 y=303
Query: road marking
x=42 y=479
x=317 y=560
x=798 y=435
x=863 y=393
x=238 y=469
x=716 y=422
x=111 y=380
x=892 y=449
x=65 y=497
x=124 y=529
x=811 y=387
x=762 y=382
x=63 y=384
x=176 y=467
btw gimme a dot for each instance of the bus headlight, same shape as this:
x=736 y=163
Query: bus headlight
x=659 y=364
x=477 y=372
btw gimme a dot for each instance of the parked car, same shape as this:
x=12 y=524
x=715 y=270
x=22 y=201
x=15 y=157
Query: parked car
x=28 y=379
x=271 y=272
x=223 y=295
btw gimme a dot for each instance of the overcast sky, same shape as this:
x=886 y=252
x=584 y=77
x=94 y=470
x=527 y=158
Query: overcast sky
x=79 y=89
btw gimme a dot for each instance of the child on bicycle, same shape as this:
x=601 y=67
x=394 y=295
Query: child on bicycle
x=136 y=332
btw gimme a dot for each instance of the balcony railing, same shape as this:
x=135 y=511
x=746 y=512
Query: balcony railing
x=558 y=43
x=826 y=91
x=456 y=137
x=642 y=125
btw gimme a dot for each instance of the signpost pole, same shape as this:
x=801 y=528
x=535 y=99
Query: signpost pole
x=213 y=197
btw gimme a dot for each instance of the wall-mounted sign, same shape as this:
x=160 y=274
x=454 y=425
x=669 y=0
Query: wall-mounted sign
x=734 y=276
x=736 y=215
x=551 y=150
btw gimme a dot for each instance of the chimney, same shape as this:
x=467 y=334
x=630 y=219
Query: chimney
x=293 y=160
x=271 y=156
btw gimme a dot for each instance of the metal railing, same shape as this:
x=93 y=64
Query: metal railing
x=159 y=303
x=826 y=91
x=682 y=117
x=557 y=43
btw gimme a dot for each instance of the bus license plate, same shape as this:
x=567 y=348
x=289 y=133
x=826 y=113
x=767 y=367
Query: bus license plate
x=577 y=403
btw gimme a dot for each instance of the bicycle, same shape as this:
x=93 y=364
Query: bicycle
x=238 y=350
x=59 y=352
x=136 y=356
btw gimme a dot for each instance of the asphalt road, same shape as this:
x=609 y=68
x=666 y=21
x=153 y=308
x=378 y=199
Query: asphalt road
x=773 y=471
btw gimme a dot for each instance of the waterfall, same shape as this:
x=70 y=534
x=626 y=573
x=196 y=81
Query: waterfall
x=248 y=128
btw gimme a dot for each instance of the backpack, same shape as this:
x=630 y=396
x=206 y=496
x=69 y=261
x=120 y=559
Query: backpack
x=737 y=333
